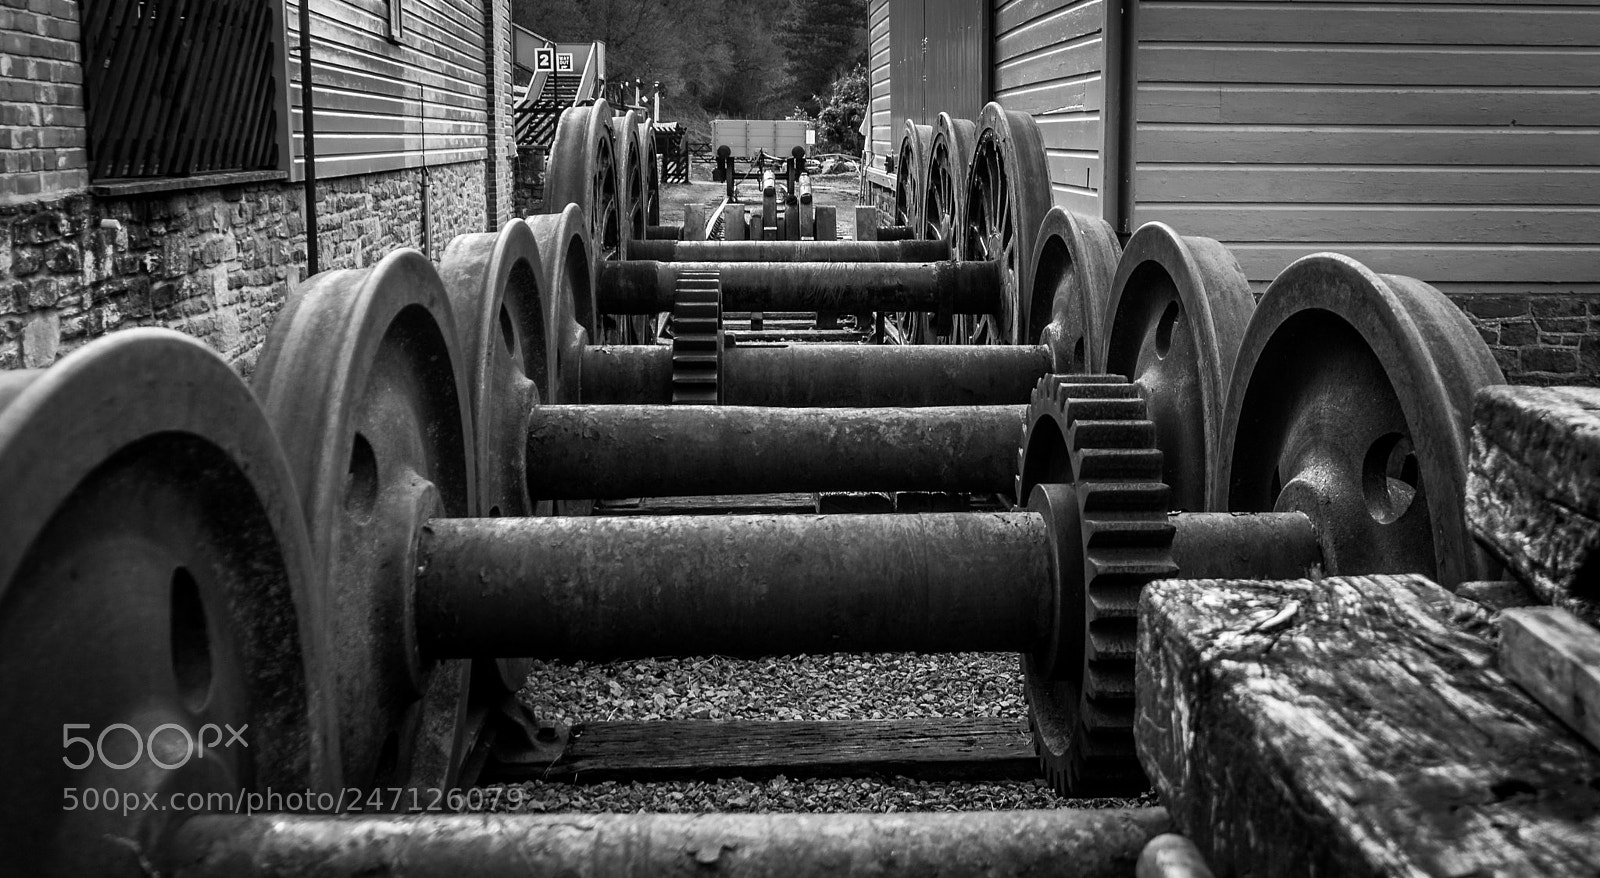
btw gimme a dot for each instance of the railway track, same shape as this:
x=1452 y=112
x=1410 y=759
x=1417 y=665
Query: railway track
x=357 y=554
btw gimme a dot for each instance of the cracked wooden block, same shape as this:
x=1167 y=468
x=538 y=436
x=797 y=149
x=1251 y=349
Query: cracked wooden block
x=1353 y=726
x=1533 y=489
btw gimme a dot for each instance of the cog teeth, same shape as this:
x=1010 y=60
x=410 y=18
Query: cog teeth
x=1126 y=536
x=697 y=338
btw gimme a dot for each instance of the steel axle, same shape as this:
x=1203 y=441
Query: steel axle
x=745 y=585
x=643 y=287
x=589 y=452
x=791 y=251
x=826 y=376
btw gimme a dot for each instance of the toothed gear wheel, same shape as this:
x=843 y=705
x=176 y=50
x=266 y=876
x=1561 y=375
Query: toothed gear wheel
x=1090 y=449
x=697 y=339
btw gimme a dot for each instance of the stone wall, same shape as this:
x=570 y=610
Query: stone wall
x=215 y=262
x=42 y=126
x=1540 y=339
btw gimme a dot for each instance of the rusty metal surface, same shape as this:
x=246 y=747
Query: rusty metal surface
x=583 y=171
x=360 y=380
x=792 y=251
x=642 y=287
x=1260 y=545
x=154 y=571
x=1090 y=467
x=1008 y=193
x=1173 y=324
x=578 y=452
x=740 y=585
x=1062 y=842
x=1352 y=402
x=828 y=376
x=1074 y=267
x=697 y=344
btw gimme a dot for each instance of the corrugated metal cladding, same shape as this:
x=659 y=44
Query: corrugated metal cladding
x=881 y=141
x=1049 y=58
x=1459 y=144
x=940 y=60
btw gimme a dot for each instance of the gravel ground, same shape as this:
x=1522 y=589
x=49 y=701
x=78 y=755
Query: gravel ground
x=887 y=686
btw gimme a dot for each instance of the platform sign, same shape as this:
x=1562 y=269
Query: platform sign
x=544 y=60
x=563 y=62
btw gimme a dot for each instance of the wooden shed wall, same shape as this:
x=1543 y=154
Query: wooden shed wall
x=382 y=105
x=1049 y=58
x=1458 y=143
x=884 y=138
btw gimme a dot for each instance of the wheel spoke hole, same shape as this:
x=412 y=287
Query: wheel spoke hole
x=508 y=331
x=361 y=482
x=191 y=641
x=1389 y=477
x=1165 y=328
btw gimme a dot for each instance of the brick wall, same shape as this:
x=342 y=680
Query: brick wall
x=42 y=128
x=215 y=263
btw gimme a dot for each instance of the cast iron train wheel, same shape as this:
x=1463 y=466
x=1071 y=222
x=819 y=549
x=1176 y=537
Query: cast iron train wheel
x=632 y=202
x=360 y=377
x=1177 y=313
x=945 y=197
x=584 y=171
x=910 y=193
x=1351 y=401
x=1074 y=264
x=635 y=187
x=1008 y=193
x=652 y=174
x=155 y=579
x=495 y=286
x=568 y=289
x=1089 y=464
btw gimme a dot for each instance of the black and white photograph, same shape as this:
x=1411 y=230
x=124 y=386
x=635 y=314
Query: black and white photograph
x=800 y=438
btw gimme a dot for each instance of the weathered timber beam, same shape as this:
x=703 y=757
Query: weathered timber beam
x=1555 y=657
x=1064 y=842
x=1532 y=495
x=641 y=287
x=1353 y=726
x=973 y=749
x=790 y=251
x=827 y=376
x=587 y=452
x=749 y=585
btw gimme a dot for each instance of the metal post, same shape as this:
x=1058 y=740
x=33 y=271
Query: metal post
x=309 y=141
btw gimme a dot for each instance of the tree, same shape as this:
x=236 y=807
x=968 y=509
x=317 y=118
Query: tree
x=820 y=39
x=844 y=106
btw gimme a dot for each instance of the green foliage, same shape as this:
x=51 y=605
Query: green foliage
x=843 y=107
x=820 y=39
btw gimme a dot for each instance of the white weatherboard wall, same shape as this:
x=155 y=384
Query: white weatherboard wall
x=1048 y=62
x=885 y=136
x=383 y=105
x=1459 y=144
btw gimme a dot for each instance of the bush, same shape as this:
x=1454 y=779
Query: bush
x=844 y=105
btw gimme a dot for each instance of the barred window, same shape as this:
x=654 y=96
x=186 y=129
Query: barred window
x=179 y=88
